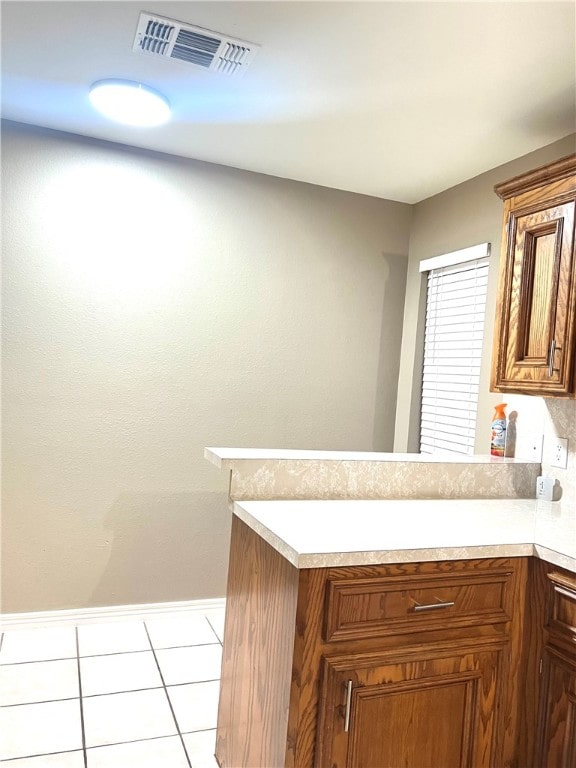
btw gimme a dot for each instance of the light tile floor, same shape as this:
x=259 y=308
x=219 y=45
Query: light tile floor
x=131 y=694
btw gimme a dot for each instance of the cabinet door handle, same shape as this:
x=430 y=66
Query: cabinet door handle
x=552 y=351
x=433 y=606
x=348 y=702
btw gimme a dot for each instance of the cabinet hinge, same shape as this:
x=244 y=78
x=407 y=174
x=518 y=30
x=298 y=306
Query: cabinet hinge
x=540 y=666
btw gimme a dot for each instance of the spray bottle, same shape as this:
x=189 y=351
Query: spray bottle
x=498 y=441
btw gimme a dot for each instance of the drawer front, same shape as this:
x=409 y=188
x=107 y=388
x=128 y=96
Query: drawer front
x=372 y=607
x=562 y=615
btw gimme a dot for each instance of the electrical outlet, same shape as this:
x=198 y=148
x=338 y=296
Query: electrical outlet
x=559 y=455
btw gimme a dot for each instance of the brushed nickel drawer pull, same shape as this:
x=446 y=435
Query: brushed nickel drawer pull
x=433 y=606
x=348 y=702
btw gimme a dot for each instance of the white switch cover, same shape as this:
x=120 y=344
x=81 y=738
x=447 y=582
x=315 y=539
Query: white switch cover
x=545 y=488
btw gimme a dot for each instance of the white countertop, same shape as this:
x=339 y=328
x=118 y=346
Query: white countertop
x=321 y=533
x=224 y=457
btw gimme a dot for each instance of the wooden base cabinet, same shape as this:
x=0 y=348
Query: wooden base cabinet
x=558 y=745
x=557 y=728
x=412 y=665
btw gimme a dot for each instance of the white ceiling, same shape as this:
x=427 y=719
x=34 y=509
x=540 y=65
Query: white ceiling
x=399 y=100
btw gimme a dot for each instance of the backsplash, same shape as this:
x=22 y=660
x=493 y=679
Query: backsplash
x=410 y=479
x=560 y=421
x=551 y=417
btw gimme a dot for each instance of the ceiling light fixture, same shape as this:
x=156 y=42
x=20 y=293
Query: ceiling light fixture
x=130 y=103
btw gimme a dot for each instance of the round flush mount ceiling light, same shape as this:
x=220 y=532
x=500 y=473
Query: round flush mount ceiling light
x=130 y=103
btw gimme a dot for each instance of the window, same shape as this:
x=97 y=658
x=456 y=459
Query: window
x=455 y=311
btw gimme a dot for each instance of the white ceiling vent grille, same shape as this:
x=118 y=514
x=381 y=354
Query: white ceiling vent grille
x=157 y=36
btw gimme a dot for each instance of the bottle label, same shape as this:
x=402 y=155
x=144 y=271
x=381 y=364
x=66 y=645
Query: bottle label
x=498 y=441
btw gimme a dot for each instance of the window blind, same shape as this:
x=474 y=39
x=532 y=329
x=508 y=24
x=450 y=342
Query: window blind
x=455 y=311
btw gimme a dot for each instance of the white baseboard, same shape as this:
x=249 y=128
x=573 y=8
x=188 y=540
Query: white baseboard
x=10 y=621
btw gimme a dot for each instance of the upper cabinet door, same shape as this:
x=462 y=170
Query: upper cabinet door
x=535 y=338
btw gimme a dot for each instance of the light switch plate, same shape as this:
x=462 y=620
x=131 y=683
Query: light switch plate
x=545 y=488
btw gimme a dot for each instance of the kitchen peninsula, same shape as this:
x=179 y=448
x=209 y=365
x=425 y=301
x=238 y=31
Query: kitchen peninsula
x=359 y=629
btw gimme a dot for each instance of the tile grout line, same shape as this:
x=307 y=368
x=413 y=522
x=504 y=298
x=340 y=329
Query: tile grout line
x=111 y=693
x=213 y=630
x=167 y=696
x=148 y=688
x=37 y=661
x=100 y=746
x=81 y=702
x=33 y=703
x=132 y=741
x=102 y=655
x=40 y=754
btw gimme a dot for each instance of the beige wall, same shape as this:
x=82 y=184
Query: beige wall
x=462 y=216
x=154 y=306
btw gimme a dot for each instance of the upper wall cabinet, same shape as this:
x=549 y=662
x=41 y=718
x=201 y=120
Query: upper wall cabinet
x=535 y=333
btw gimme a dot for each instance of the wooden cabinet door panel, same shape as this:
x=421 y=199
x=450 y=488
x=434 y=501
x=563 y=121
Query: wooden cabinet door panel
x=561 y=620
x=537 y=345
x=419 y=723
x=429 y=706
x=558 y=745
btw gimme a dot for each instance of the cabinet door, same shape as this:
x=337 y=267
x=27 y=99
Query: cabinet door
x=535 y=347
x=430 y=707
x=558 y=745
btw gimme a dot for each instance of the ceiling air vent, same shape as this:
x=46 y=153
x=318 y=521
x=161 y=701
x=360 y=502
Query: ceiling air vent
x=157 y=36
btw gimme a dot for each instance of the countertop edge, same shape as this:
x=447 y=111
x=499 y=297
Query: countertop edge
x=224 y=458
x=269 y=536
x=405 y=554
x=554 y=557
x=430 y=554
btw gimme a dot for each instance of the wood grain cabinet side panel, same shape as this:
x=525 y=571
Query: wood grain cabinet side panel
x=257 y=654
x=525 y=675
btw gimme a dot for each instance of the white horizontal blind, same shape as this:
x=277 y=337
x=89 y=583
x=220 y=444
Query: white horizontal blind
x=455 y=311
